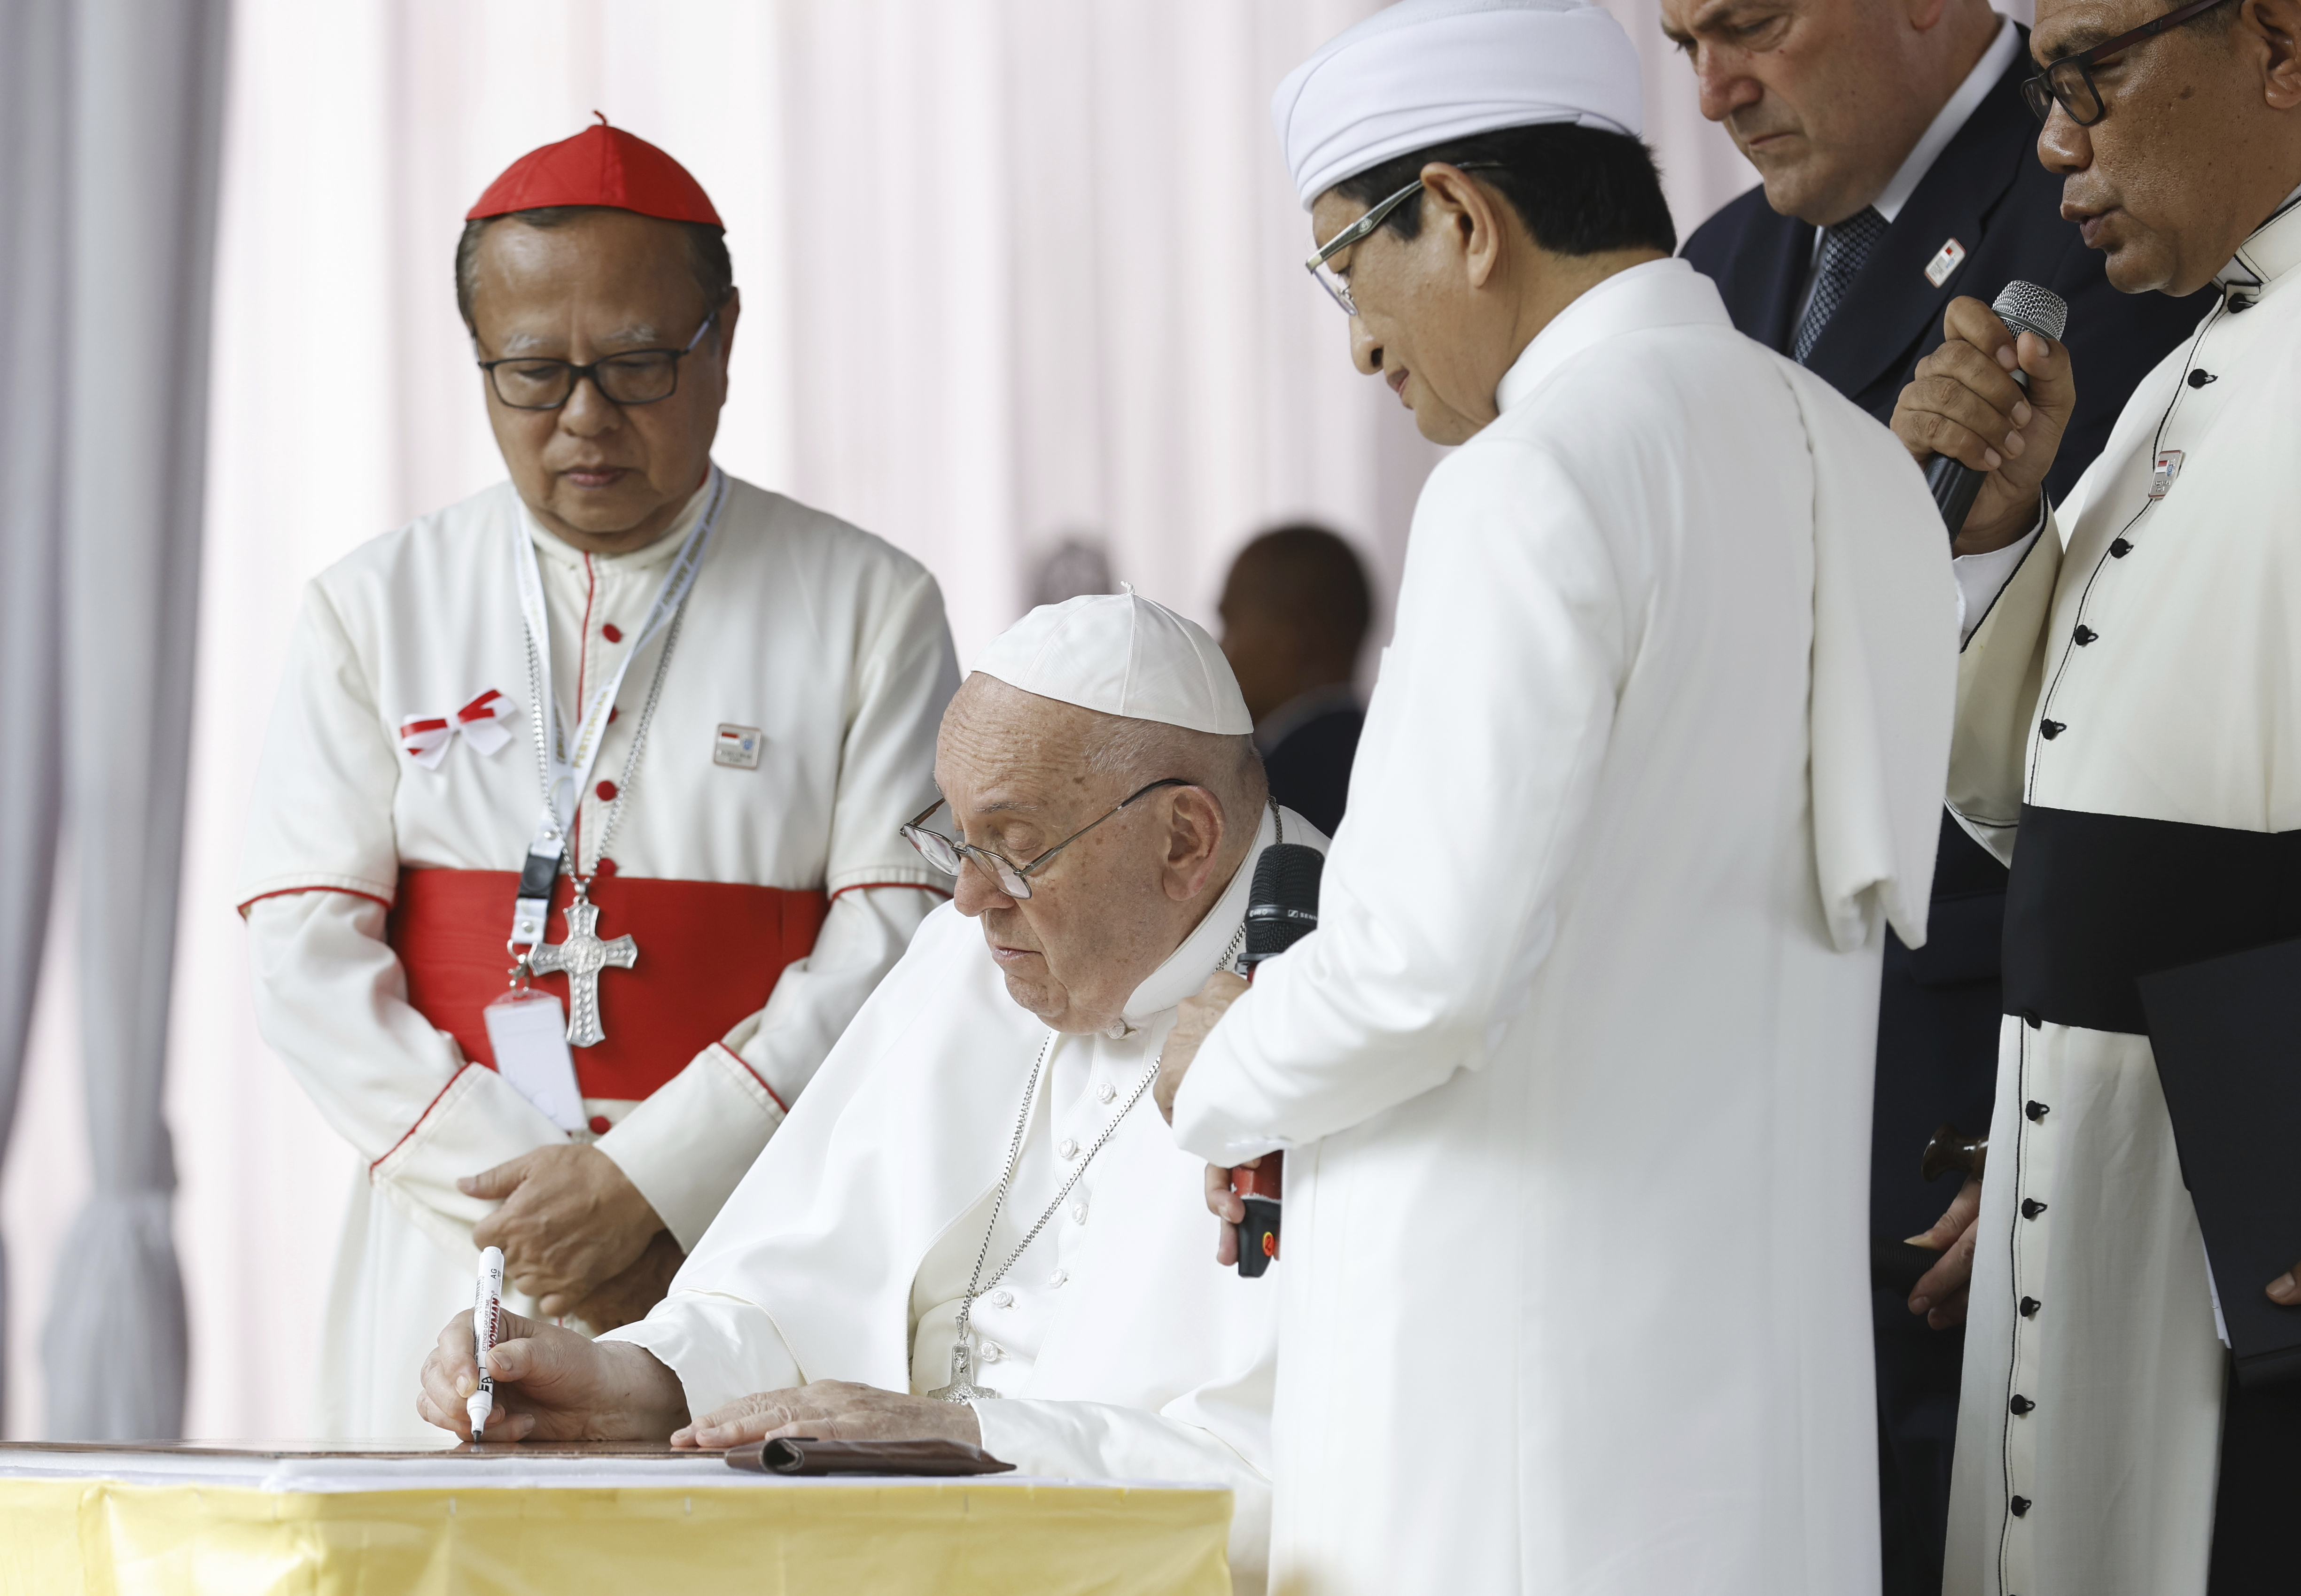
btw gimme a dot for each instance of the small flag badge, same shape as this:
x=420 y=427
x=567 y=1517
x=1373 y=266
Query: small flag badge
x=738 y=746
x=1945 y=261
x=2168 y=467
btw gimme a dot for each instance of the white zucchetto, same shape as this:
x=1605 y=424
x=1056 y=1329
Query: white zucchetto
x=1423 y=71
x=1122 y=655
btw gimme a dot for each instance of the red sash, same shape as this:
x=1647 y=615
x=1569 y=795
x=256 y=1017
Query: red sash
x=709 y=953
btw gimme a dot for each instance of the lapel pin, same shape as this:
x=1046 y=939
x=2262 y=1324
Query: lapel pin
x=1944 y=261
x=738 y=746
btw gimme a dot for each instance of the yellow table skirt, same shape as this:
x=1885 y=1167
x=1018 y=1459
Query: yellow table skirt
x=104 y=1536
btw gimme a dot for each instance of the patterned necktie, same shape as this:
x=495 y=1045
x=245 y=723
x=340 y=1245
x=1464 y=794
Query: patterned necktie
x=1844 y=250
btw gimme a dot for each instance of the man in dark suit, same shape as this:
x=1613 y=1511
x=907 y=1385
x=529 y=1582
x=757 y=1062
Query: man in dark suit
x=1294 y=614
x=1900 y=170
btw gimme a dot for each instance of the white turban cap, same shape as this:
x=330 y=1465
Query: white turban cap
x=1424 y=72
x=1122 y=655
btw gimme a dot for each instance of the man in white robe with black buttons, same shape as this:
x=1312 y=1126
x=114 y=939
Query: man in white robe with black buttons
x=2126 y=740
x=974 y=1225
x=1573 y=1079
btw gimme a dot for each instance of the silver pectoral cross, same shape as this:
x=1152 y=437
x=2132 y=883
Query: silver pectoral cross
x=962 y=1387
x=581 y=958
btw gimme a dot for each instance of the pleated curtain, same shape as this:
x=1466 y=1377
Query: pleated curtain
x=110 y=122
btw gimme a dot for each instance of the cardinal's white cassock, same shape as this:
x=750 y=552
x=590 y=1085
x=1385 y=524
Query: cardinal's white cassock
x=2126 y=740
x=1118 y=1348
x=756 y=863
x=1574 y=1076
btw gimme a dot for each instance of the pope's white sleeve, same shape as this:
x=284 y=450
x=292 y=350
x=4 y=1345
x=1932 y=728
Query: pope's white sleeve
x=721 y=1348
x=331 y=999
x=688 y=1145
x=1102 y=1440
x=1471 y=788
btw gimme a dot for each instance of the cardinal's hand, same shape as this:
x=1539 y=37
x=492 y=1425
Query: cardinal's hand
x=833 y=1410
x=571 y=1222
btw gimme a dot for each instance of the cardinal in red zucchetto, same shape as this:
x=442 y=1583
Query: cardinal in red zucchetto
x=574 y=844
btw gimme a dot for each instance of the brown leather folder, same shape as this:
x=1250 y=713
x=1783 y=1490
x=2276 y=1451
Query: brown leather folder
x=805 y=1455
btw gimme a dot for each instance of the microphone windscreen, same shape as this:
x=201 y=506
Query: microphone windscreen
x=1283 y=905
x=2025 y=307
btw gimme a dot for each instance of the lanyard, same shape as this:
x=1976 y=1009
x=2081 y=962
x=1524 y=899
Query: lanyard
x=567 y=765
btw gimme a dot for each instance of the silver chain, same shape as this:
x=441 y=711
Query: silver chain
x=962 y=1355
x=962 y=1387
x=536 y=688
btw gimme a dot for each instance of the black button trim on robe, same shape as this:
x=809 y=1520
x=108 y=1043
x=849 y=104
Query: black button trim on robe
x=2097 y=900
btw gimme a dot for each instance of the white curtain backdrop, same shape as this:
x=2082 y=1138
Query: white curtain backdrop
x=1011 y=269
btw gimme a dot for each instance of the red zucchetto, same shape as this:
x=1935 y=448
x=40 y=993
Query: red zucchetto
x=599 y=167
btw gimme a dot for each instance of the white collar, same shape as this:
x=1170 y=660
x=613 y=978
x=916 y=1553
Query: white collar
x=1186 y=968
x=2273 y=250
x=549 y=544
x=1948 y=120
x=1664 y=292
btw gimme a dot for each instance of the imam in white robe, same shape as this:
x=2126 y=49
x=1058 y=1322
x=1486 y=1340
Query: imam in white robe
x=826 y=641
x=1575 y=1071
x=2129 y=698
x=1120 y=1349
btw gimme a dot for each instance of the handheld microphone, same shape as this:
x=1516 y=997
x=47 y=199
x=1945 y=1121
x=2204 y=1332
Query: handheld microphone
x=1282 y=908
x=2023 y=307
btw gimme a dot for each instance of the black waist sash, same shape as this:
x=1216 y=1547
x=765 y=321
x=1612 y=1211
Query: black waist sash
x=2097 y=899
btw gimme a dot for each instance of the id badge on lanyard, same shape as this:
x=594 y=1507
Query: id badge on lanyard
x=566 y=768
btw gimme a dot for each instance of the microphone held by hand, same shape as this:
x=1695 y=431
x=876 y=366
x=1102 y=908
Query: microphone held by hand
x=1282 y=908
x=2023 y=307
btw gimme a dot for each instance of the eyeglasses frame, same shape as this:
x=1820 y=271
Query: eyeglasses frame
x=2039 y=94
x=1361 y=230
x=578 y=375
x=990 y=862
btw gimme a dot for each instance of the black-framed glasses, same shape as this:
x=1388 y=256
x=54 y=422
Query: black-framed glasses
x=2069 y=82
x=637 y=377
x=1013 y=880
x=1337 y=286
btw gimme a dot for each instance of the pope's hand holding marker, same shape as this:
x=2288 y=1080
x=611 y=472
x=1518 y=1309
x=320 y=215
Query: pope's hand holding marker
x=487 y=1325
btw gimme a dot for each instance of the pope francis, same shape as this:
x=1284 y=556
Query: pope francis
x=973 y=1224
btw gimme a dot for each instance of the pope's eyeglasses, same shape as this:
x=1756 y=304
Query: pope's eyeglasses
x=639 y=377
x=1320 y=263
x=948 y=856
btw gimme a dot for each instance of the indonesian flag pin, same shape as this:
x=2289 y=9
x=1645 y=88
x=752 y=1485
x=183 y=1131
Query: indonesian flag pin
x=1944 y=261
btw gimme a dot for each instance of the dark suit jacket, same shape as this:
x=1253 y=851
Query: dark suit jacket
x=1309 y=770
x=1987 y=190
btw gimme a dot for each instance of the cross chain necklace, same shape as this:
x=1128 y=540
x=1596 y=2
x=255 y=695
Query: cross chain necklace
x=962 y=1387
x=583 y=955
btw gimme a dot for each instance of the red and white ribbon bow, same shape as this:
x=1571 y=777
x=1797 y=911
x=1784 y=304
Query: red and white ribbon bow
x=426 y=737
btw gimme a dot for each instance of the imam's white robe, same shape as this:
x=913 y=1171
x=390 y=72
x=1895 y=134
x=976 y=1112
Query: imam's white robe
x=825 y=637
x=1575 y=1070
x=1120 y=1350
x=2180 y=708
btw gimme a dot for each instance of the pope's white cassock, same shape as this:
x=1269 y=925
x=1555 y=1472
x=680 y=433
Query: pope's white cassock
x=763 y=879
x=1118 y=1348
x=2126 y=740
x=1575 y=1074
